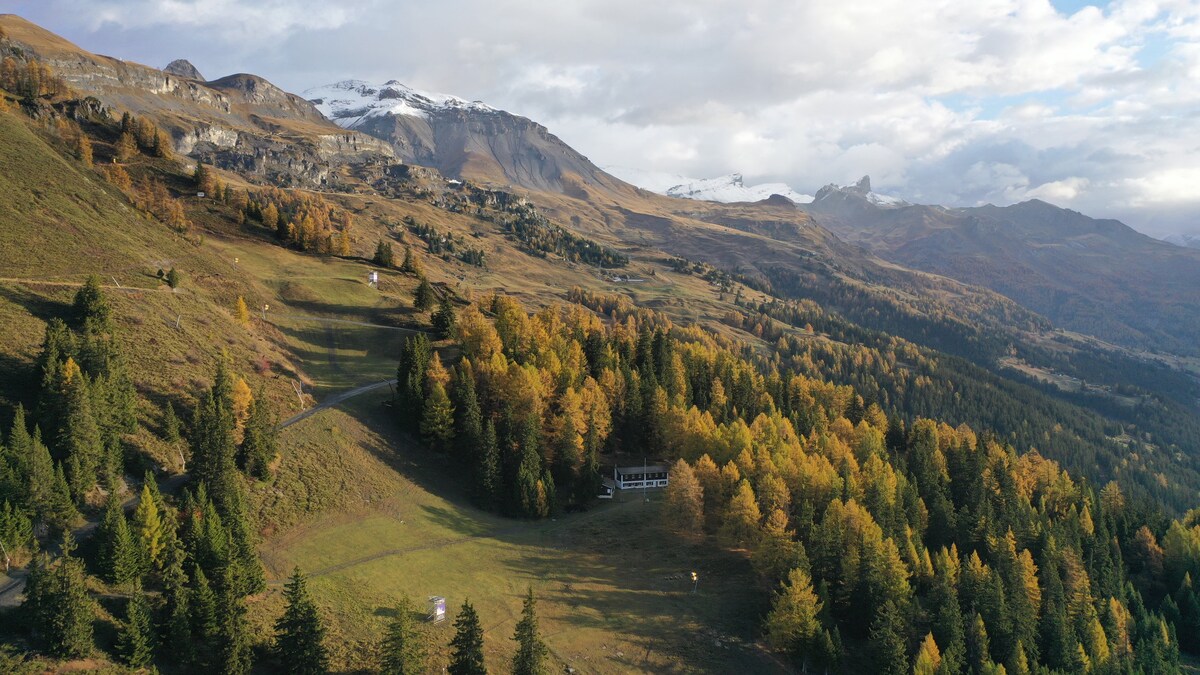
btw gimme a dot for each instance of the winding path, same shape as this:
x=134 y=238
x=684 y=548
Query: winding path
x=334 y=400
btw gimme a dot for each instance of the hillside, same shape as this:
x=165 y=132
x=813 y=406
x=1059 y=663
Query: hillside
x=1098 y=277
x=864 y=439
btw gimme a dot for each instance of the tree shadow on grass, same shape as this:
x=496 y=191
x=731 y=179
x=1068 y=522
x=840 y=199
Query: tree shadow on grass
x=40 y=306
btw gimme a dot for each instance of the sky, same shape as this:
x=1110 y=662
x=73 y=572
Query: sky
x=1090 y=106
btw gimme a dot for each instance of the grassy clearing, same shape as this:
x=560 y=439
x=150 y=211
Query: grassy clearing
x=614 y=590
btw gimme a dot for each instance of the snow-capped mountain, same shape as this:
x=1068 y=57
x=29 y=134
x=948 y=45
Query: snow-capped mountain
x=727 y=189
x=351 y=102
x=1185 y=240
x=459 y=138
x=860 y=189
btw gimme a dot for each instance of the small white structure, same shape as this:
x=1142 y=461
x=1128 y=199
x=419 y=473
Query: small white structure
x=437 y=608
x=653 y=476
x=373 y=279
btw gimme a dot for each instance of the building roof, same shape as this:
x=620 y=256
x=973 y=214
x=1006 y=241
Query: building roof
x=652 y=468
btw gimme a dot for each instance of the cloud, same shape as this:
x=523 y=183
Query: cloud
x=939 y=100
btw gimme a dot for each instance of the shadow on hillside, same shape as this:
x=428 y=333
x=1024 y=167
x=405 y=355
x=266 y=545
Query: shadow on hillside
x=40 y=306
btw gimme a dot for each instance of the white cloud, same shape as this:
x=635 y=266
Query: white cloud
x=939 y=100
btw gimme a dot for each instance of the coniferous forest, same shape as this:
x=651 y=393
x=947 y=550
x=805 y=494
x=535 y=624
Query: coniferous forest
x=895 y=501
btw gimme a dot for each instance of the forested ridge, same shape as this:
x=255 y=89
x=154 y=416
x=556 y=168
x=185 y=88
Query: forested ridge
x=905 y=510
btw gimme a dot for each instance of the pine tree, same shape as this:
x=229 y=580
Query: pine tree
x=443 y=319
x=423 y=297
x=888 y=640
x=299 y=632
x=467 y=646
x=173 y=278
x=437 y=419
x=126 y=147
x=740 y=526
x=233 y=631
x=468 y=423
x=260 y=441
x=929 y=658
x=383 y=254
x=83 y=149
x=409 y=266
x=61 y=511
x=527 y=498
x=203 y=624
x=793 y=625
x=488 y=482
x=79 y=437
x=778 y=551
x=170 y=424
x=117 y=554
x=530 y=658
x=684 y=507
x=148 y=528
x=58 y=605
x=241 y=313
x=403 y=648
x=135 y=639
x=410 y=380
x=568 y=457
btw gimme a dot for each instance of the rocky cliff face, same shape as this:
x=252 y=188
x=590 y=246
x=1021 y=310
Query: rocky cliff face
x=241 y=121
x=183 y=68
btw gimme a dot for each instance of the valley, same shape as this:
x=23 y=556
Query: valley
x=384 y=344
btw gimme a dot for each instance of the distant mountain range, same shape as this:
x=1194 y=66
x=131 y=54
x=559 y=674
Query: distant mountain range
x=1094 y=276
x=1188 y=240
x=1097 y=277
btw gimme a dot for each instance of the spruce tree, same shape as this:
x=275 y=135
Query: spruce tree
x=437 y=419
x=383 y=254
x=793 y=625
x=403 y=649
x=233 y=631
x=888 y=641
x=203 y=624
x=409 y=266
x=170 y=424
x=530 y=658
x=60 y=609
x=423 y=297
x=79 y=438
x=466 y=656
x=410 y=380
x=525 y=498
x=117 y=554
x=487 y=480
x=299 y=633
x=443 y=319
x=468 y=422
x=260 y=440
x=135 y=641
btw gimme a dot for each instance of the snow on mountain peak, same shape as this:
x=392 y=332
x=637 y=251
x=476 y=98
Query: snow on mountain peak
x=863 y=189
x=728 y=188
x=349 y=102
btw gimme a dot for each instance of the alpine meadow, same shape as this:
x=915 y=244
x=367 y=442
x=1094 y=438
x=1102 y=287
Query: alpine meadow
x=370 y=379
